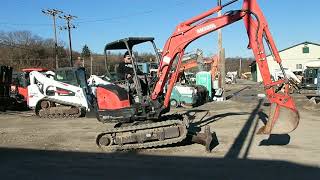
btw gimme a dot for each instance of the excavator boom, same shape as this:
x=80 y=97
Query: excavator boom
x=284 y=116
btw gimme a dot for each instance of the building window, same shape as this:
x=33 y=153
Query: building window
x=298 y=66
x=305 y=49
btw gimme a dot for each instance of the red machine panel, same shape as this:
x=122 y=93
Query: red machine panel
x=112 y=97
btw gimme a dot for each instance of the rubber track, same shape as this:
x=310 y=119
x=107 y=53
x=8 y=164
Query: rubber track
x=143 y=127
x=53 y=116
x=65 y=103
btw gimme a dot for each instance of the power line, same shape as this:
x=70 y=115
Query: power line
x=23 y=24
x=150 y=11
x=115 y=18
x=84 y=21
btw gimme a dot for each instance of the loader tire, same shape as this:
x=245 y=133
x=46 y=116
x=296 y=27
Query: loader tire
x=174 y=103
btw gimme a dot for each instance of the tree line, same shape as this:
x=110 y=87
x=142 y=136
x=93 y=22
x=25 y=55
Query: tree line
x=23 y=49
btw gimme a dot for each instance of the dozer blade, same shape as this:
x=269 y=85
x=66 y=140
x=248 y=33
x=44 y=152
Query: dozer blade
x=282 y=120
x=208 y=139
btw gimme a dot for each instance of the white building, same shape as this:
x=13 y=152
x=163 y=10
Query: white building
x=294 y=57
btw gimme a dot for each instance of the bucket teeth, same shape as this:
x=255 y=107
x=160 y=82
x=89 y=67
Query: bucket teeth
x=281 y=120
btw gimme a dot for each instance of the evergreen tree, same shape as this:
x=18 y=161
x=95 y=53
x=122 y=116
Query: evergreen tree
x=85 y=51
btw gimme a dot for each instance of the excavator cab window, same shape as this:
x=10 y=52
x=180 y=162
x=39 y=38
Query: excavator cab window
x=133 y=45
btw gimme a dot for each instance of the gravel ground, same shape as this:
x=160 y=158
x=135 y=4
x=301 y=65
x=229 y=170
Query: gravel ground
x=35 y=148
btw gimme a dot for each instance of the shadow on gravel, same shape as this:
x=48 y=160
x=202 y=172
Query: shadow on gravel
x=47 y=164
x=238 y=143
x=255 y=116
x=218 y=117
x=204 y=120
x=41 y=164
x=273 y=139
x=252 y=122
x=237 y=92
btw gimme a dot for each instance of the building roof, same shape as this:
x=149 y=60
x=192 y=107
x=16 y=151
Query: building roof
x=306 y=42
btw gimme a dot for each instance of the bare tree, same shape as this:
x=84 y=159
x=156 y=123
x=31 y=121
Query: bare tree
x=24 y=49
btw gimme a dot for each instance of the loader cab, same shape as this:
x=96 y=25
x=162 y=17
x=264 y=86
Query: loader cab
x=310 y=78
x=72 y=76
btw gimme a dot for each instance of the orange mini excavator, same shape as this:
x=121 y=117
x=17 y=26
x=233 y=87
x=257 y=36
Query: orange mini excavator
x=142 y=112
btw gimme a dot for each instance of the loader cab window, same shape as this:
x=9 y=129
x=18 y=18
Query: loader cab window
x=153 y=65
x=67 y=76
x=310 y=75
x=82 y=78
x=23 y=79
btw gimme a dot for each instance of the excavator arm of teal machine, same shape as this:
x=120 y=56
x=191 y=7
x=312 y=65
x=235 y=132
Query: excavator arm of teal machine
x=284 y=116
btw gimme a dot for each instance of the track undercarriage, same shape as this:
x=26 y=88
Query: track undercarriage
x=140 y=135
x=50 y=109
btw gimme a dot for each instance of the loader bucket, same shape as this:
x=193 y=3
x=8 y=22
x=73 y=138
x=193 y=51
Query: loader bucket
x=282 y=120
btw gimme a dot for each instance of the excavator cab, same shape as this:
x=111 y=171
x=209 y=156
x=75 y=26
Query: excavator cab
x=123 y=98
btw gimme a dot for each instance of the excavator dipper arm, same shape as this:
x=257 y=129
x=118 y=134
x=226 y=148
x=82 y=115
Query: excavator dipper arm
x=284 y=116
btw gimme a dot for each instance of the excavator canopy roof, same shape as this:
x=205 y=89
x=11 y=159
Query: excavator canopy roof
x=120 y=44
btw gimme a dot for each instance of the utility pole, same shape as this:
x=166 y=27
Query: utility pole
x=91 y=59
x=54 y=13
x=240 y=68
x=221 y=53
x=69 y=26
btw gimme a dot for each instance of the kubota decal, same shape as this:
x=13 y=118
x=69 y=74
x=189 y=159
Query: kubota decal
x=206 y=28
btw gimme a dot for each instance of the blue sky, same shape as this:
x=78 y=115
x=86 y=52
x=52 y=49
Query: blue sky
x=99 y=22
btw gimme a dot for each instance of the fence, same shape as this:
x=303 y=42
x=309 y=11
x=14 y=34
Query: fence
x=98 y=64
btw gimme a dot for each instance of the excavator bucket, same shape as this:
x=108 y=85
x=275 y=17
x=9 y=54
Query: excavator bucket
x=282 y=120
